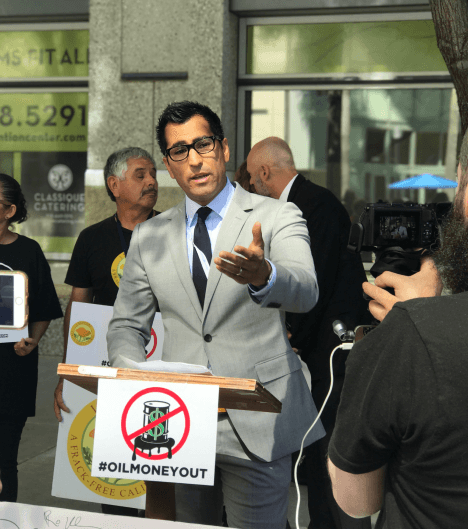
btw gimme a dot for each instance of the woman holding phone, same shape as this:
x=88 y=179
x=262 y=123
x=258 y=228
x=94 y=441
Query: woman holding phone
x=19 y=361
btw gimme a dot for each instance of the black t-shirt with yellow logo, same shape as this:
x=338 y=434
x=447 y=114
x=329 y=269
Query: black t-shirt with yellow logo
x=18 y=374
x=98 y=260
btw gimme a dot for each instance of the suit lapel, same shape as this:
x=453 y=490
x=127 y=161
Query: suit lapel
x=178 y=249
x=236 y=215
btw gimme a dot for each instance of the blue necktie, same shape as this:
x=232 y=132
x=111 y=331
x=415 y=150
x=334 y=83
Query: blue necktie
x=201 y=240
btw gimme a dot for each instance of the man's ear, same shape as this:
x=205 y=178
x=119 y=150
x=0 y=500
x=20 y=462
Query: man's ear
x=265 y=173
x=113 y=183
x=168 y=167
x=226 y=151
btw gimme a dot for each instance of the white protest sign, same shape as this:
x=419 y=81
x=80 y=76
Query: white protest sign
x=75 y=441
x=13 y=335
x=87 y=343
x=74 y=456
x=19 y=515
x=156 y=431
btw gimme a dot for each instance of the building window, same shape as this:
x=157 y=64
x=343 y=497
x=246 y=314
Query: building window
x=390 y=135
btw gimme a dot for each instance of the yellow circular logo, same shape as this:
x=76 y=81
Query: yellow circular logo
x=117 y=268
x=80 y=444
x=82 y=333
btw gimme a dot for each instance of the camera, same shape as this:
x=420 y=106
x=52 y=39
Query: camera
x=383 y=225
x=398 y=234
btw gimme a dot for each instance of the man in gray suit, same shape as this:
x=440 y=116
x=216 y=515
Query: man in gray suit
x=226 y=313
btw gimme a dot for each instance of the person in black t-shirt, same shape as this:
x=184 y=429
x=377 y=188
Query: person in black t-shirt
x=399 y=443
x=98 y=258
x=97 y=262
x=19 y=361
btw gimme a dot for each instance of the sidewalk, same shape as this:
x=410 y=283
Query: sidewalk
x=37 y=454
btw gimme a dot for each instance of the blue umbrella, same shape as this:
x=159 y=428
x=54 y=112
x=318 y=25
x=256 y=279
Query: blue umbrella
x=426 y=180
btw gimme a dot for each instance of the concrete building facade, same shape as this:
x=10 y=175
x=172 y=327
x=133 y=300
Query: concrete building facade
x=145 y=54
x=329 y=76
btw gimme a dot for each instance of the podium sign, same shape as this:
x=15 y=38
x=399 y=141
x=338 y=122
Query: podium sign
x=87 y=342
x=156 y=431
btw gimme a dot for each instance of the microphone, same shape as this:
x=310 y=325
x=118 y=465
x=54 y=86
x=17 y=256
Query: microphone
x=339 y=328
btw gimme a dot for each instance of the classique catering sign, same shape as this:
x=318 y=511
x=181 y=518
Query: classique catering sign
x=43 y=139
x=156 y=431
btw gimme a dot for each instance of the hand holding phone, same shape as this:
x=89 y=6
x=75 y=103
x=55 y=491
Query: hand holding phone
x=13 y=300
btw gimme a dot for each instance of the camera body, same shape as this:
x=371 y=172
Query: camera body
x=383 y=225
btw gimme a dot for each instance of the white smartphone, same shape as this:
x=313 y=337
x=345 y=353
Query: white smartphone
x=13 y=300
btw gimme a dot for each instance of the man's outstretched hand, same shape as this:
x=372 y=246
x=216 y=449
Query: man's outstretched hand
x=251 y=263
x=424 y=284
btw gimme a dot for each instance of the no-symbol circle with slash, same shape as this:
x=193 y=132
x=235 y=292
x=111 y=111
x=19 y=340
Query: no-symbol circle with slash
x=149 y=354
x=129 y=437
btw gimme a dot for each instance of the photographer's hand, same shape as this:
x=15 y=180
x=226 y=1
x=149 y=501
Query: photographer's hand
x=423 y=284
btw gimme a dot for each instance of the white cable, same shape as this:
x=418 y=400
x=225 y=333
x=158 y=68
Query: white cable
x=345 y=347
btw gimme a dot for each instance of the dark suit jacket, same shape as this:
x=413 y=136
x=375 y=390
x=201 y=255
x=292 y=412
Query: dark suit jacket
x=340 y=275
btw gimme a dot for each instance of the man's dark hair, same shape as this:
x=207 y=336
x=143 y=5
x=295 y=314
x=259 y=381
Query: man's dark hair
x=116 y=164
x=181 y=112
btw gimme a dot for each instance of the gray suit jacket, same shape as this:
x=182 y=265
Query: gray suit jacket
x=237 y=336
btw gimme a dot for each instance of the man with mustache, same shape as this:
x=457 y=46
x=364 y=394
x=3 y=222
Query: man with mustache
x=98 y=258
x=399 y=444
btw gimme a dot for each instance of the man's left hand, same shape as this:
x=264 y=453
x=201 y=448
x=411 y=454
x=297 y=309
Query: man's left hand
x=248 y=267
x=25 y=346
x=424 y=284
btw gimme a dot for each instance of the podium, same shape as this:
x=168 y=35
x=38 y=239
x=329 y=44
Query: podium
x=234 y=393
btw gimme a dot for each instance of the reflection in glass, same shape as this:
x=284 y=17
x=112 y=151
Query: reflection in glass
x=384 y=136
x=399 y=147
x=430 y=147
x=375 y=145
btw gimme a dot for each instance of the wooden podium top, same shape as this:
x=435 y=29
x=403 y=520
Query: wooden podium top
x=234 y=393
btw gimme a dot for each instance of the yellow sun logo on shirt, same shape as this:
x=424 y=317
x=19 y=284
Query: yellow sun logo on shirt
x=117 y=268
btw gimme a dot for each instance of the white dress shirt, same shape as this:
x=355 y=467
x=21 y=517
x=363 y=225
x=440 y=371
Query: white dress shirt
x=219 y=206
x=284 y=195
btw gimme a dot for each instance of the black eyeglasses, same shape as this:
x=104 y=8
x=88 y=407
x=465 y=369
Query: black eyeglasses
x=5 y=203
x=181 y=152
